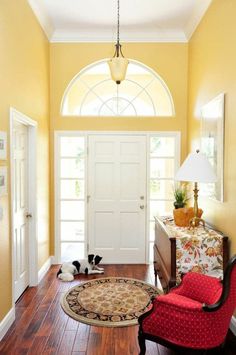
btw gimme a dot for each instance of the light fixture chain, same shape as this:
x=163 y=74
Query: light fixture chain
x=118 y=22
x=118 y=64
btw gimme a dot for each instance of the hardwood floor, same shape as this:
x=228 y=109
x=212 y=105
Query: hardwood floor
x=41 y=326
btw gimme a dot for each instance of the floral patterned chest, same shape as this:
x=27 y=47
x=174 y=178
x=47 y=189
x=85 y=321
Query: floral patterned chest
x=179 y=250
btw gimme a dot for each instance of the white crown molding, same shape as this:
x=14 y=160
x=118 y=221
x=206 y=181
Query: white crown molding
x=196 y=18
x=152 y=35
x=42 y=17
x=7 y=322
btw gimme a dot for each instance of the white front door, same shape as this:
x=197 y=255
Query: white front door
x=20 y=208
x=117 y=197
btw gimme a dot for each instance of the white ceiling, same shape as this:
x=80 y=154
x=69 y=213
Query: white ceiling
x=140 y=20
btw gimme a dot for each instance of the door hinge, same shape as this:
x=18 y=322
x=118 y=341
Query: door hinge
x=87 y=247
x=88 y=198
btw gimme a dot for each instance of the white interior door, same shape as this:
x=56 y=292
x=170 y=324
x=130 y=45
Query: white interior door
x=117 y=197
x=20 y=208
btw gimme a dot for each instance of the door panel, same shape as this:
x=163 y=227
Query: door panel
x=104 y=175
x=20 y=208
x=128 y=223
x=129 y=181
x=103 y=230
x=117 y=186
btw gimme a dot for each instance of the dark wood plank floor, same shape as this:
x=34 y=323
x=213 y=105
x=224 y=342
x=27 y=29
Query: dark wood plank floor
x=41 y=326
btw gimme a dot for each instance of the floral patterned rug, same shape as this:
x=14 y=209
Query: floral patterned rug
x=109 y=302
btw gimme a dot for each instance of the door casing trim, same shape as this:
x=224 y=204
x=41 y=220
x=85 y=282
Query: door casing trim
x=32 y=195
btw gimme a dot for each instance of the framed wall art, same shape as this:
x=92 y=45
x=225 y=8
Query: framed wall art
x=3 y=145
x=3 y=180
x=212 y=144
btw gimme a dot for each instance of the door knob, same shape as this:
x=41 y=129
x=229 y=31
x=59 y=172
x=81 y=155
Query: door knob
x=141 y=207
x=28 y=215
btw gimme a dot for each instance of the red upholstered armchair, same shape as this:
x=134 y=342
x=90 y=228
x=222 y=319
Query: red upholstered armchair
x=194 y=315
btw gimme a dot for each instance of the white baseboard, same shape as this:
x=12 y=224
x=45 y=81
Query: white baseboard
x=233 y=325
x=7 y=322
x=44 y=269
x=54 y=260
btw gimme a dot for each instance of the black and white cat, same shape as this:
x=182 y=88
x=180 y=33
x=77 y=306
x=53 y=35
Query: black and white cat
x=88 y=267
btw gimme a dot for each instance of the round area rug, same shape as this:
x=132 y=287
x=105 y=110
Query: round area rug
x=109 y=302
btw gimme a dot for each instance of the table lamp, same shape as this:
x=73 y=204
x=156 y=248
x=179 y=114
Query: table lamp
x=196 y=168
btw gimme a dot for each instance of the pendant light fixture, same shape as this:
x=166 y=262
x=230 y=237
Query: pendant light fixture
x=118 y=64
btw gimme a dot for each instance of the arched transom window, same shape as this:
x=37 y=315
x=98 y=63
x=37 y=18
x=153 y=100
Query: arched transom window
x=93 y=93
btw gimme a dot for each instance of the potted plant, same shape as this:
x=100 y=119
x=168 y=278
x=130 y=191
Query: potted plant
x=180 y=195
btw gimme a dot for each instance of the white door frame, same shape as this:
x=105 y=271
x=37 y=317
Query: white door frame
x=148 y=134
x=16 y=116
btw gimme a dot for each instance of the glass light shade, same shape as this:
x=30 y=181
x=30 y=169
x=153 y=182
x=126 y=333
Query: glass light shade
x=196 y=168
x=118 y=67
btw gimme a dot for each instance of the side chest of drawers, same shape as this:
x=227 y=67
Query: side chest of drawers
x=165 y=253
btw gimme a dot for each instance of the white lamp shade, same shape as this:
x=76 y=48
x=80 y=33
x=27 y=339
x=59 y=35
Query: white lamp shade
x=118 y=67
x=196 y=168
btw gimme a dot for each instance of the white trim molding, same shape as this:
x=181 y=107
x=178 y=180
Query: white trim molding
x=86 y=134
x=44 y=269
x=32 y=188
x=7 y=322
x=233 y=325
x=104 y=36
x=89 y=32
x=196 y=18
x=42 y=17
x=53 y=260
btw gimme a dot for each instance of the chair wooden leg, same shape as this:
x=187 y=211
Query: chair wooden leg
x=141 y=341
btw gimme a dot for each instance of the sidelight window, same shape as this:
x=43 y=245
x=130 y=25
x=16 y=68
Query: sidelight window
x=71 y=197
x=164 y=162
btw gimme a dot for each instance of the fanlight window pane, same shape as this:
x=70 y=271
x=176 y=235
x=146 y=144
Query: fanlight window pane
x=117 y=105
x=144 y=104
x=161 y=99
x=93 y=93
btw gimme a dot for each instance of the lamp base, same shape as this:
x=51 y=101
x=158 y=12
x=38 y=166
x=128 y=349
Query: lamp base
x=195 y=222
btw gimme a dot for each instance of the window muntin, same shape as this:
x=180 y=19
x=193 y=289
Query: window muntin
x=71 y=200
x=163 y=163
x=93 y=93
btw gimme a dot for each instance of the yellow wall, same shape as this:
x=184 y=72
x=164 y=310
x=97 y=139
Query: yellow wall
x=169 y=60
x=212 y=70
x=24 y=85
